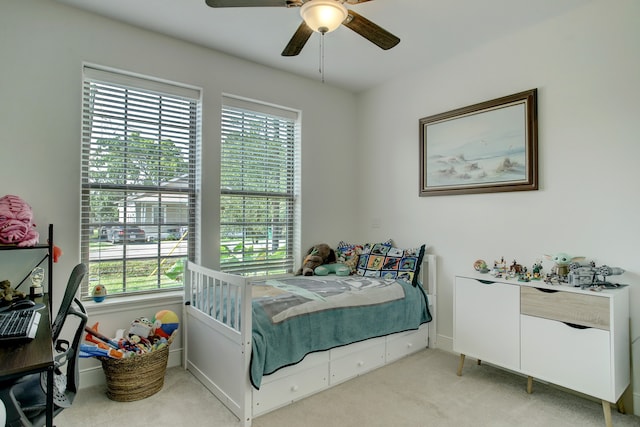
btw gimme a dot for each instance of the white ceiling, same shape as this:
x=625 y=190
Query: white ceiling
x=430 y=32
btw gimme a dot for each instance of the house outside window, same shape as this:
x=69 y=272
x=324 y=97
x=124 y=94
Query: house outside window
x=140 y=151
x=260 y=175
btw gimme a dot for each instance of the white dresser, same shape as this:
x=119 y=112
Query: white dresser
x=575 y=338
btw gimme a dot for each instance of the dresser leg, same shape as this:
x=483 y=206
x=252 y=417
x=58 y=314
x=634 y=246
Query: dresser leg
x=460 y=364
x=606 y=408
x=529 y=384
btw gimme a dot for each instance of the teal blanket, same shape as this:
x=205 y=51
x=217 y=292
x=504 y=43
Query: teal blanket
x=295 y=316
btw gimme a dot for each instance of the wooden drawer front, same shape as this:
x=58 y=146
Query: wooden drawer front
x=357 y=363
x=285 y=390
x=580 y=309
x=400 y=345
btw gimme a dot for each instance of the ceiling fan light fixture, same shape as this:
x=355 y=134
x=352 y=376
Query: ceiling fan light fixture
x=323 y=16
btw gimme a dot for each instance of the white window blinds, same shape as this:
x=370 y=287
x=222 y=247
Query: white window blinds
x=139 y=158
x=259 y=175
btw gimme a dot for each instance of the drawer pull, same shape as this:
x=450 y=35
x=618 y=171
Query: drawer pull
x=486 y=282
x=361 y=363
x=546 y=291
x=573 y=325
x=409 y=345
x=294 y=388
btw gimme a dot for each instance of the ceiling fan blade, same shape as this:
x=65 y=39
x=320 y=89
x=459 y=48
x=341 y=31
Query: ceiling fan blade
x=370 y=31
x=298 y=40
x=246 y=3
x=356 y=1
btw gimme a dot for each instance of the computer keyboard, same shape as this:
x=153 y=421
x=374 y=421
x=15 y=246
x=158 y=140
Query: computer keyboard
x=18 y=325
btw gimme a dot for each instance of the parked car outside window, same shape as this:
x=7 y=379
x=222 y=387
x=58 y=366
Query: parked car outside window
x=120 y=234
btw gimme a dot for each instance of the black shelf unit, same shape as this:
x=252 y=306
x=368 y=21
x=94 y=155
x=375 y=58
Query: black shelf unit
x=47 y=257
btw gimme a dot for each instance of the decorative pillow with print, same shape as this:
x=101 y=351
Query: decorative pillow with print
x=384 y=260
x=347 y=254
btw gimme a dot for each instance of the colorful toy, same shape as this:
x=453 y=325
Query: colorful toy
x=95 y=337
x=141 y=327
x=100 y=350
x=99 y=293
x=57 y=253
x=16 y=222
x=165 y=323
x=562 y=261
x=480 y=265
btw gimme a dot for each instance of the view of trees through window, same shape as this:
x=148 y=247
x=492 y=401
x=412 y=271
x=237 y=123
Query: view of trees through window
x=257 y=201
x=138 y=188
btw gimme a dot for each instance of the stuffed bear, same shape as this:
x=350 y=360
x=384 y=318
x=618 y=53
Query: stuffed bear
x=7 y=293
x=317 y=255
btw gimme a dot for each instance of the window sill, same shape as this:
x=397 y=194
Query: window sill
x=113 y=305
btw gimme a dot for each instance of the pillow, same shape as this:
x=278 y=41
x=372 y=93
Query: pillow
x=384 y=260
x=348 y=253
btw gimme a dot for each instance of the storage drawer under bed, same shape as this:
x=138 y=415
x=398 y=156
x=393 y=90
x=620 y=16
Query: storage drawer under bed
x=289 y=388
x=357 y=359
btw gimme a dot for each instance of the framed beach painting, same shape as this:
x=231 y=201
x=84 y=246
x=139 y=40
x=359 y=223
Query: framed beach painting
x=483 y=148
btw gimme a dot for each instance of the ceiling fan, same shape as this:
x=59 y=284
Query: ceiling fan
x=322 y=16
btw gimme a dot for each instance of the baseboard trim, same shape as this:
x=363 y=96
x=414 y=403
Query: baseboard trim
x=94 y=376
x=445 y=343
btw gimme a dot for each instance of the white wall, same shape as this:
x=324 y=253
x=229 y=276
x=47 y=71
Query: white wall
x=586 y=66
x=42 y=47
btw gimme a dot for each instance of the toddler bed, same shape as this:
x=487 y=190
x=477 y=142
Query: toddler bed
x=260 y=344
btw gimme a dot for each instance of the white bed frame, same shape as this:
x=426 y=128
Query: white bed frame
x=218 y=353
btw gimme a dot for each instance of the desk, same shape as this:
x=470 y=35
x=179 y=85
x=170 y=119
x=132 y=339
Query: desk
x=17 y=360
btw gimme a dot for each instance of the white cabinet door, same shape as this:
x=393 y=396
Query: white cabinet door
x=486 y=321
x=568 y=356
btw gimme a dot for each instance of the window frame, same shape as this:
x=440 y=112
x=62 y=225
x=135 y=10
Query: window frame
x=181 y=116
x=270 y=117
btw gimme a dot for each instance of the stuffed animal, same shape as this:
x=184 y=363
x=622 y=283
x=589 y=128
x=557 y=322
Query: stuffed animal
x=338 y=269
x=16 y=222
x=7 y=293
x=317 y=255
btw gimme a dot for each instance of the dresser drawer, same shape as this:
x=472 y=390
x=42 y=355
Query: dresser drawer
x=580 y=309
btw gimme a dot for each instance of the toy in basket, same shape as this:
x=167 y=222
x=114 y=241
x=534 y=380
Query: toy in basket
x=137 y=377
x=137 y=370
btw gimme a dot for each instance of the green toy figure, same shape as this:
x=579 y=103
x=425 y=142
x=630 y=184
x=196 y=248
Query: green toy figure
x=562 y=261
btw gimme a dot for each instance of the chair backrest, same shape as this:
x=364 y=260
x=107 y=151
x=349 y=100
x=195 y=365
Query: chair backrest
x=76 y=277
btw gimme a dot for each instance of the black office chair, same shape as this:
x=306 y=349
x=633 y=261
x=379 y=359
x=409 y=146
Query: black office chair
x=26 y=399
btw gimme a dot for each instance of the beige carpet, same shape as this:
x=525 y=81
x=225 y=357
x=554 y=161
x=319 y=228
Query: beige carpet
x=420 y=390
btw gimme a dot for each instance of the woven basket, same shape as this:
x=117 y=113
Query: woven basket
x=136 y=377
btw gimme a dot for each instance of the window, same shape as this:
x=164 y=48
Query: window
x=259 y=177
x=139 y=157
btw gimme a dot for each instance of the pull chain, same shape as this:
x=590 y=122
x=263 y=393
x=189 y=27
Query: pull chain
x=321 y=59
